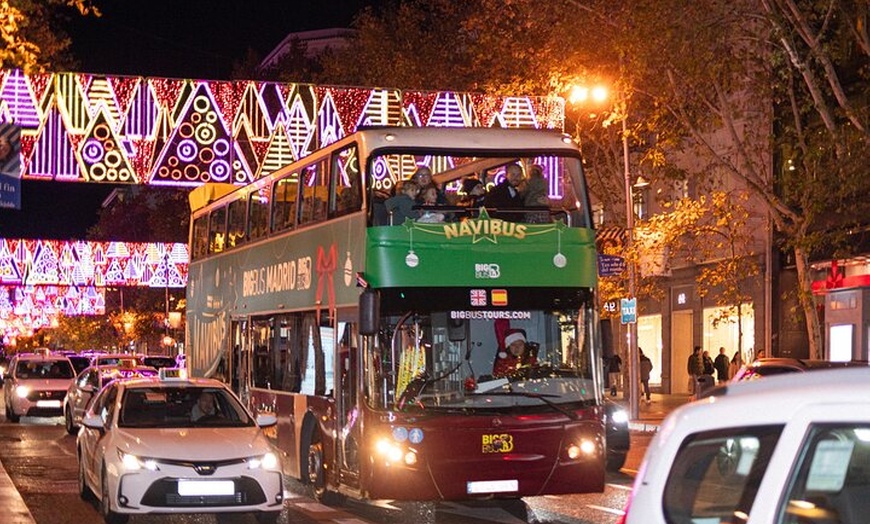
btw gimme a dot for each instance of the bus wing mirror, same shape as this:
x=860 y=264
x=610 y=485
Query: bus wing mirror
x=456 y=330
x=369 y=312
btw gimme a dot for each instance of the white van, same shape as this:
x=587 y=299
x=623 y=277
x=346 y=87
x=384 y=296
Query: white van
x=788 y=449
x=35 y=385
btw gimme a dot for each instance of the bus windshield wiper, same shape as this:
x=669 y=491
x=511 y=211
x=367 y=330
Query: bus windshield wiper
x=543 y=398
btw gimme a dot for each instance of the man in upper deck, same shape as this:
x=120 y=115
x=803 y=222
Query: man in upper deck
x=506 y=196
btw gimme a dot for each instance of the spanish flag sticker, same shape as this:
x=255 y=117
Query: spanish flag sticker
x=499 y=297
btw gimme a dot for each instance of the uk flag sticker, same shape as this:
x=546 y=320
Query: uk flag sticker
x=478 y=297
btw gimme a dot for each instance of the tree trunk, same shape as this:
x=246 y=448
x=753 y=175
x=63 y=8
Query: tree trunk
x=814 y=328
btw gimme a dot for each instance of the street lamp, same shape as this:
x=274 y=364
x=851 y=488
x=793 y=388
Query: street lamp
x=581 y=94
x=633 y=358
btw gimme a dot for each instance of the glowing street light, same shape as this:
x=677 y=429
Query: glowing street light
x=579 y=95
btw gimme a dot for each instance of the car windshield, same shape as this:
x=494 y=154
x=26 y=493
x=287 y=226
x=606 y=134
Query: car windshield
x=159 y=362
x=79 y=363
x=44 y=369
x=162 y=406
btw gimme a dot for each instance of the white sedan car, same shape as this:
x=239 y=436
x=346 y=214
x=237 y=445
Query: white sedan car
x=789 y=449
x=173 y=445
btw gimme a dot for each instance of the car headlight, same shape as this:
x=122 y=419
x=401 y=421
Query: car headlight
x=22 y=391
x=267 y=461
x=619 y=416
x=134 y=463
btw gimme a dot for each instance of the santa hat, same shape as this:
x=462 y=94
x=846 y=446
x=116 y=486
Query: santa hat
x=513 y=336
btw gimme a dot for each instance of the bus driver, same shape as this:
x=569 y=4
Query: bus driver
x=515 y=355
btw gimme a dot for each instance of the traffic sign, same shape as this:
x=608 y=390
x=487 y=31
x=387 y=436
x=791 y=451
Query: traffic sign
x=610 y=265
x=628 y=308
x=611 y=306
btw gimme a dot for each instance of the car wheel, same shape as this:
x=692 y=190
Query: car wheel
x=267 y=517
x=615 y=460
x=84 y=491
x=105 y=506
x=71 y=428
x=11 y=416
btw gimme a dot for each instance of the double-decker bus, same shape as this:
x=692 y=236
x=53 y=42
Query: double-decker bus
x=381 y=346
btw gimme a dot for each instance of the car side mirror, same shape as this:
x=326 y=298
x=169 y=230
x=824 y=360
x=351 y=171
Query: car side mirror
x=93 y=421
x=266 y=419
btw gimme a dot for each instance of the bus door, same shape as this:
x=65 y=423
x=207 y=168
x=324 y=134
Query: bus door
x=347 y=407
x=240 y=360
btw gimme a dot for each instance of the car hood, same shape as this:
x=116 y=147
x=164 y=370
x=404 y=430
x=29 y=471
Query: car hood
x=193 y=443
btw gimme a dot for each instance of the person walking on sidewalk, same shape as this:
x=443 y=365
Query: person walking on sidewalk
x=645 y=368
x=722 y=363
x=695 y=367
x=614 y=372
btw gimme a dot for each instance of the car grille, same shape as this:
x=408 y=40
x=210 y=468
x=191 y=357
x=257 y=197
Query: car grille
x=35 y=395
x=164 y=494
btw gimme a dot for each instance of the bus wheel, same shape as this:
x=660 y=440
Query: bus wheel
x=316 y=474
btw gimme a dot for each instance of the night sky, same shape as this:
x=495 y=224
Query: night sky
x=169 y=38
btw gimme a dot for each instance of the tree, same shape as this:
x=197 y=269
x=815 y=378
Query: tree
x=144 y=214
x=767 y=91
x=31 y=35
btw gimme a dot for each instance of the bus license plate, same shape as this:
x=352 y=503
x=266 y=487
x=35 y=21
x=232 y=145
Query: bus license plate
x=192 y=488
x=492 y=486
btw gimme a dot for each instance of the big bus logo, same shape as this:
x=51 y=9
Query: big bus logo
x=487 y=271
x=498 y=443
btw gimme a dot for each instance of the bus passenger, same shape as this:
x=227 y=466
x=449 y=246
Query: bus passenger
x=401 y=206
x=423 y=178
x=506 y=195
x=536 y=196
x=429 y=196
x=474 y=191
x=515 y=356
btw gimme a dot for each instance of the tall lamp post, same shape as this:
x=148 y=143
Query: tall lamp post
x=633 y=357
x=580 y=94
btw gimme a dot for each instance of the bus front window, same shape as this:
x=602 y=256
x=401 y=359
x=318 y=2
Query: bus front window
x=453 y=360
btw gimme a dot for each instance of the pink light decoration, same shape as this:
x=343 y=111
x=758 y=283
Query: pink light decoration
x=26 y=262
x=140 y=130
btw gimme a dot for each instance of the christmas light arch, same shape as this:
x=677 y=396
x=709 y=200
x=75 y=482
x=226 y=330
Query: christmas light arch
x=79 y=127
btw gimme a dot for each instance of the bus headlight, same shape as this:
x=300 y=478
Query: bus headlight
x=389 y=450
x=584 y=448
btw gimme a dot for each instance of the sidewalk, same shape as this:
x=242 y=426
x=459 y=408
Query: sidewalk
x=650 y=415
x=15 y=510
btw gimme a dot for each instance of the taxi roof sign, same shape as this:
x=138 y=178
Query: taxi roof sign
x=169 y=374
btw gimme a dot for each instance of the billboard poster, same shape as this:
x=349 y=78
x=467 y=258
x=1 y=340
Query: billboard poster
x=10 y=166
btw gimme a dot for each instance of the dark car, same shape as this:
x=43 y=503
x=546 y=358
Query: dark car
x=158 y=362
x=764 y=367
x=767 y=367
x=618 y=437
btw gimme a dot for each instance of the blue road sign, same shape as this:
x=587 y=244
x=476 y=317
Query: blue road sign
x=628 y=308
x=610 y=265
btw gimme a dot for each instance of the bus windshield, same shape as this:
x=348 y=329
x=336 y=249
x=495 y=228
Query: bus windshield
x=525 y=360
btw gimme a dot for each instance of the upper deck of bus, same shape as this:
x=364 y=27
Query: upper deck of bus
x=462 y=141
